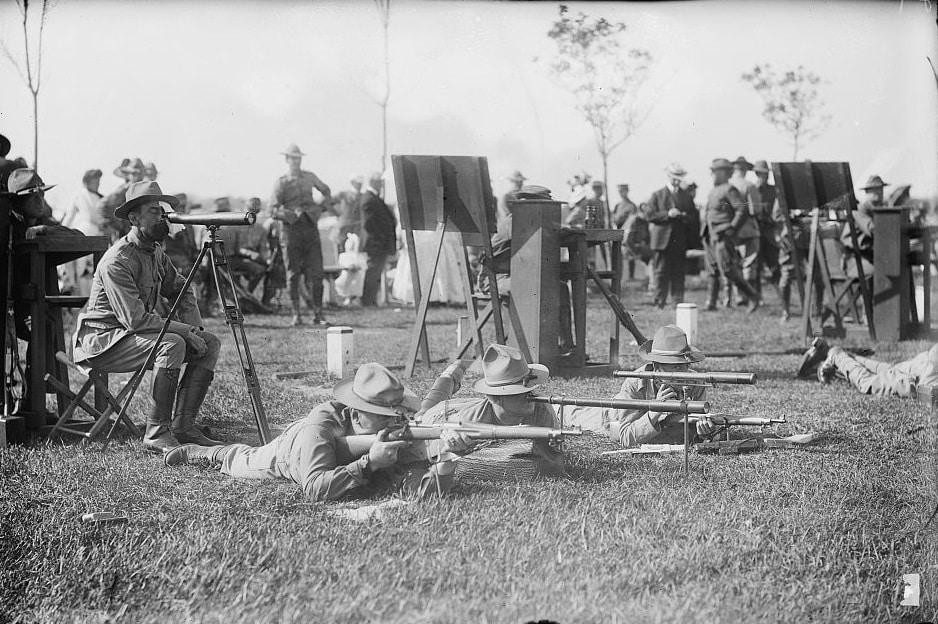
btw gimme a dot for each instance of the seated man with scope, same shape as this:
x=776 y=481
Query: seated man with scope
x=667 y=352
x=118 y=327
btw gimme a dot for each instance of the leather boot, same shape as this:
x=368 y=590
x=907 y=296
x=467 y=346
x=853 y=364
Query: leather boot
x=195 y=454
x=713 y=293
x=158 y=436
x=192 y=389
x=318 y=318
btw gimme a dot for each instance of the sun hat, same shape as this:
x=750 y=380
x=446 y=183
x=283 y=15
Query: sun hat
x=26 y=181
x=506 y=372
x=669 y=346
x=675 y=170
x=141 y=192
x=376 y=390
x=874 y=181
x=761 y=167
x=720 y=163
x=293 y=150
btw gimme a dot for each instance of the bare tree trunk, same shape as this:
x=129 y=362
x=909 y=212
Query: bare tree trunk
x=384 y=9
x=36 y=130
x=607 y=216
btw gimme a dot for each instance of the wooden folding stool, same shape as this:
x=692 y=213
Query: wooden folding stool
x=106 y=404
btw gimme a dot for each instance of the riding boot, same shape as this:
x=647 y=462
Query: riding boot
x=195 y=454
x=159 y=437
x=192 y=389
x=713 y=294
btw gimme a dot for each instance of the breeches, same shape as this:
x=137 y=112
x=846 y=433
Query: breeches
x=302 y=255
x=723 y=258
x=768 y=256
x=130 y=352
x=874 y=377
x=748 y=249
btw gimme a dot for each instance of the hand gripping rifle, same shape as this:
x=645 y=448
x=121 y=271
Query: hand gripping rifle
x=355 y=446
x=682 y=380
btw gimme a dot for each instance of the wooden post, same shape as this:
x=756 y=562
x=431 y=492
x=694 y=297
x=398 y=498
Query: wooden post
x=891 y=274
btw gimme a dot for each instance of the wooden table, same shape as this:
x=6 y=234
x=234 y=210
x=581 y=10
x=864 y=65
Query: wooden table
x=40 y=257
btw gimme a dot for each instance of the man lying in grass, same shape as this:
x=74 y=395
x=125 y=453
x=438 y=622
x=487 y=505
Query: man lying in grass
x=668 y=351
x=307 y=453
x=871 y=376
x=506 y=384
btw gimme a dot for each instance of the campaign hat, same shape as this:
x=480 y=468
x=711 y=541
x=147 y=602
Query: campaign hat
x=742 y=162
x=669 y=346
x=505 y=372
x=293 y=150
x=761 y=167
x=874 y=181
x=141 y=192
x=376 y=390
x=720 y=163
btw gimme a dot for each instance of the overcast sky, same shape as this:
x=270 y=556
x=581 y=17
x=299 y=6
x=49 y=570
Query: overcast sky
x=213 y=91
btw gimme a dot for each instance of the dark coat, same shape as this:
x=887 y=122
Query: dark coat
x=379 y=225
x=670 y=232
x=725 y=209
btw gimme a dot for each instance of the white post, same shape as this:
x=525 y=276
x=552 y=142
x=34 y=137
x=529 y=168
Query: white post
x=339 y=351
x=462 y=329
x=686 y=319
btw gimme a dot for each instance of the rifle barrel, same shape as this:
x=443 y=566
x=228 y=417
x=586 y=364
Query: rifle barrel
x=690 y=407
x=689 y=377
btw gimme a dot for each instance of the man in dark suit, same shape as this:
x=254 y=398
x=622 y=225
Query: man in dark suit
x=378 y=224
x=670 y=213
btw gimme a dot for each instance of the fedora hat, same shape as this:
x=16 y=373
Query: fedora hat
x=26 y=181
x=119 y=169
x=505 y=372
x=133 y=164
x=761 y=167
x=293 y=150
x=669 y=346
x=4 y=146
x=516 y=176
x=742 y=162
x=874 y=181
x=140 y=192
x=675 y=170
x=720 y=163
x=376 y=390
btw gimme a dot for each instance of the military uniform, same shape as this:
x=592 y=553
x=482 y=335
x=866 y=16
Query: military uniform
x=725 y=210
x=765 y=198
x=871 y=376
x=292 y=203
x=633 y=427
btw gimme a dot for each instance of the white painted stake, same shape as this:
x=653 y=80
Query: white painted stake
x=686 y=319
x=462 y=329
x=339 y=351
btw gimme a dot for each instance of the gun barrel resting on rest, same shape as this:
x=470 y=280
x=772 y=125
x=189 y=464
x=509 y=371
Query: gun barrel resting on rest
x=681 y=407
x=691 y=377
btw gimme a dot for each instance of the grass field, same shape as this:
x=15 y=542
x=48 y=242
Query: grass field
x=820 y=534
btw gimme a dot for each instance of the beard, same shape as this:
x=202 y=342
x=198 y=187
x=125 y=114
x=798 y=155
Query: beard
x=157 y=232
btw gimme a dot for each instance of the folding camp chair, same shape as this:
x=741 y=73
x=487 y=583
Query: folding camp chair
x=106 y=404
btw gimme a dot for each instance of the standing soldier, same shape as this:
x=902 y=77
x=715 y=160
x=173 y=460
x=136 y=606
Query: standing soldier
x=748 y=236
x=292 y=203
x=623 y=210
x=670 y=212
x=131 y=170
x=764 y=199
x=723 y=215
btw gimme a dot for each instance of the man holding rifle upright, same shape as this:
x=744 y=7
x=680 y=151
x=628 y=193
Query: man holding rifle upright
x=668 y=351
x=119 y=325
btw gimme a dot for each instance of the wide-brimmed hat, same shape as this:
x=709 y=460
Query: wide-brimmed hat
x=742 y=162
x=669 y=346
x=293 y=150
x=874 y=181
x=119 y=169
x=133 y=164
x=4 y=146
x=675 y=170
x=376 y=390
x=761 y=167
x=533 y=191
x=505 y=372
x=720 y=163
x=516 y=176
x=25 y=181
x=140 y=192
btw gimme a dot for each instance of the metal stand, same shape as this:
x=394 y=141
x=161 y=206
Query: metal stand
x=233 y=317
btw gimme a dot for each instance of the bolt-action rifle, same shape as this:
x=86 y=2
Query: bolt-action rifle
x=355 y=446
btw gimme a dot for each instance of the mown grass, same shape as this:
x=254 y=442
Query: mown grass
x=819 y=534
